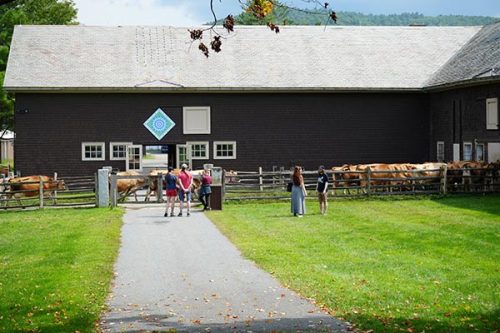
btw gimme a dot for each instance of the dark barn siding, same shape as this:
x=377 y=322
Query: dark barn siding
x=270 y=129
x=459 y=115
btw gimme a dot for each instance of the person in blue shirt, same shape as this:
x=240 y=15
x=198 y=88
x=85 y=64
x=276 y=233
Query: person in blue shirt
x=171 y=184
x=322 y=189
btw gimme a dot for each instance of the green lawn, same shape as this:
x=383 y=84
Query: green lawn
x=55 y=268
x=386 y=265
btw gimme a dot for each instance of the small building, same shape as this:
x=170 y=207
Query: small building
x=88 y=97
x=7 y=146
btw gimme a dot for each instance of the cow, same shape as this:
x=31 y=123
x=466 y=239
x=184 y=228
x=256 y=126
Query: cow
x=430 y=171
x=29 y=186
x=231 y=177
x=345 y=176
x=125 y=187
x=477 y=174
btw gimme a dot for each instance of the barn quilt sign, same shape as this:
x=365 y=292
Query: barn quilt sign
x=159 y=124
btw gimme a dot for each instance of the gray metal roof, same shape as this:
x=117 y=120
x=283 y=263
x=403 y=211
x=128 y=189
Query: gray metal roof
x=254 y=58
x=478 y=59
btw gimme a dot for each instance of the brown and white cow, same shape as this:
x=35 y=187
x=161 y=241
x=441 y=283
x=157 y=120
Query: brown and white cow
x=345 y=176
x=125 y=187
x=29 y=186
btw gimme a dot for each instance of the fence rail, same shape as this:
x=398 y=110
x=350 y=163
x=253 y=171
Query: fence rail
x=40 y=193
x=260 y=185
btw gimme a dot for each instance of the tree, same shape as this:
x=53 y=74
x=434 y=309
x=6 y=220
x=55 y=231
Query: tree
x=13 y=12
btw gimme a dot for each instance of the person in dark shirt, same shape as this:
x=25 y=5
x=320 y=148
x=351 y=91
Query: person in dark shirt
x=322 y=189
x=206 y=190
x=171 y=184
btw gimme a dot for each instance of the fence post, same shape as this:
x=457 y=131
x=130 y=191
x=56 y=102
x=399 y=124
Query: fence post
x=102 y=190
x=444 y=179
x=369 y=178
x=113 y=191
x=159 y=187
x=260 y=179
x=40 y=189
x=57 y=185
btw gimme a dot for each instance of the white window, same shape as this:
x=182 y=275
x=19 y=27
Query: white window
x=440 y=151
x=118 y=150
x=93 y=151
x=479 y=151
x=199 y=150
x=196 y=119
x=456 y=152
x=467 y=151
x=224 y=150
x=492 y=113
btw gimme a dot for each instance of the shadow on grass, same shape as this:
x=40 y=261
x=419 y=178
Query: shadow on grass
x=460 y=322
x=486 y=203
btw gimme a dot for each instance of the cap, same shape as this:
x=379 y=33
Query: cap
x=170 y=168
x=184 y=166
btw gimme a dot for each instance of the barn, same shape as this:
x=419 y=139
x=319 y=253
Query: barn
x=88 y=97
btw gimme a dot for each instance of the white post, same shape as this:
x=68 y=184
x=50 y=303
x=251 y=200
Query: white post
x=40 y=189
x=55 y=192
x=102 y=188
x=260 y=179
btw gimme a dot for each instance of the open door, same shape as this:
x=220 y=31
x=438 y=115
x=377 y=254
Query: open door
x=183 y=154
x=134 y=158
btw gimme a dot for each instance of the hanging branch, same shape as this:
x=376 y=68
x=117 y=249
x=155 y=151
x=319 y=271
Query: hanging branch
x=260 y=9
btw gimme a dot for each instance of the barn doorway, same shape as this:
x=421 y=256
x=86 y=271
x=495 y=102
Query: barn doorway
x=158 y=157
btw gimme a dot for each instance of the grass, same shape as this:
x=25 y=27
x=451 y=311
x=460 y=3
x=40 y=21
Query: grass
x=55 y=268
x=6 y=163
x=385 y=265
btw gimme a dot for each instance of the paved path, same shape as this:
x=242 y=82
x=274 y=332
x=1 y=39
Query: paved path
x=182 y=275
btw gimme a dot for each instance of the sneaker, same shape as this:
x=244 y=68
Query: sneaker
x=165 y=215
x=172 y=215
x=301 y=215
x=180 y=214
x=188 y=214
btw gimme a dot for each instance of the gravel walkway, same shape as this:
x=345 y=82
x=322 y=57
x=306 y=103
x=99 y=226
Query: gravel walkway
x=182 y=275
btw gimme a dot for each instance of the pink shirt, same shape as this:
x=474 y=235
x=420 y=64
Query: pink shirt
x=186 y=179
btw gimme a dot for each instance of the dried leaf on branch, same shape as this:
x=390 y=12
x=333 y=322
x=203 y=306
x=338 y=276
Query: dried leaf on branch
x=196 y=34
x=333 y=16
x=216 y=44
x=273 y=27
x=229 y=23
x=204 y=49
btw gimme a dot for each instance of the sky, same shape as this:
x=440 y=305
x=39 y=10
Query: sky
x=196 y=12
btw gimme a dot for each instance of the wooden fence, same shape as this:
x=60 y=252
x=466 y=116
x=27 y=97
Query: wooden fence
x=77 y=191
x=261 y=185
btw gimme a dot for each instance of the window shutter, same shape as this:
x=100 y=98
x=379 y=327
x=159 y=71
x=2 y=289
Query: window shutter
x=492 y=113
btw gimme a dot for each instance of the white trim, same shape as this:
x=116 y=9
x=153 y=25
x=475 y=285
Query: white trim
x=475 y=151
x=437 y=151
x=492 y=113
x=200 y=143
x=103 y=148
x=471 y=151
x=111 y=144
x=185 y=127
x=224 y=143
